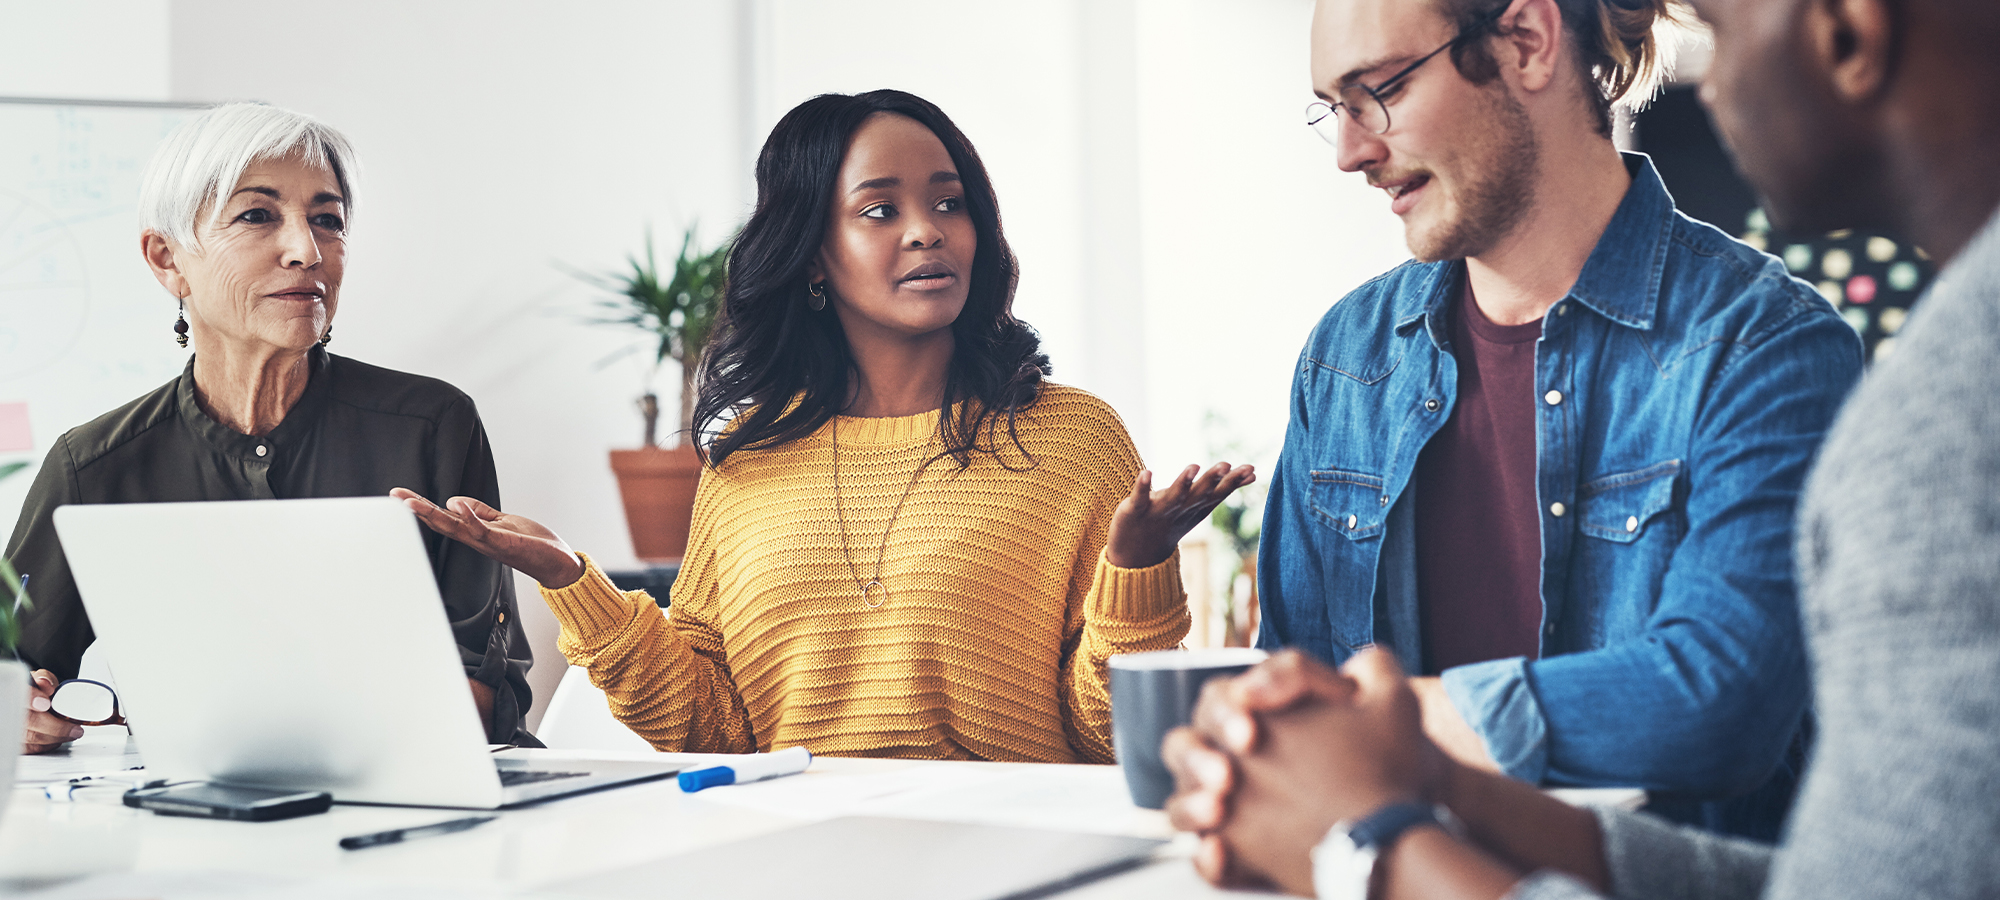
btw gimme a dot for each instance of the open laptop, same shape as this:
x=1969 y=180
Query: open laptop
x=298 y=644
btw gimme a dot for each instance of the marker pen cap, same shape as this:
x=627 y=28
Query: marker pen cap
x=713 y=776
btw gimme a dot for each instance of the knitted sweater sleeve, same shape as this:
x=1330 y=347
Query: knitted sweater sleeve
x=666 y=677
x=1111 y=609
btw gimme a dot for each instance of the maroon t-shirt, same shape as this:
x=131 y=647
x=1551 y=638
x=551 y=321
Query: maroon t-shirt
x=1479 y=542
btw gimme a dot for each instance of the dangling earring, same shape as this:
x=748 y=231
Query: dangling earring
x=326 y=338
x=181 y=326
x=816 y=296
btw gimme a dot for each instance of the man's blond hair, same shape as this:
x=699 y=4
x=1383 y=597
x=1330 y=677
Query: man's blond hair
x=1624 y=48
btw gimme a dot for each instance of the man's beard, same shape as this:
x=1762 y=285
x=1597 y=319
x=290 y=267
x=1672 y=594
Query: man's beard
x=1498 y=173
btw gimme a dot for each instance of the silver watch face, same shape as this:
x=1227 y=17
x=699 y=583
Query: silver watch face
x=1341 y=870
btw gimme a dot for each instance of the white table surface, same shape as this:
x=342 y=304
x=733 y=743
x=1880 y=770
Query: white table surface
x=94 y=848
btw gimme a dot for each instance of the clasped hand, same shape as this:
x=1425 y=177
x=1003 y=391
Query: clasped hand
x=1278 y=755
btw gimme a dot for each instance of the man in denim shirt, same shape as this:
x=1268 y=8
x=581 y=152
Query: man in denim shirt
x=1553 y=463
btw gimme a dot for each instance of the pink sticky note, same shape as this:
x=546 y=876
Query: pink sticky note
x=14 y=433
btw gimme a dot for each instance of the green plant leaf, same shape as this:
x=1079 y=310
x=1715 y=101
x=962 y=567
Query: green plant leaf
x=679 y=311
x=13 y=597
x=13 y=600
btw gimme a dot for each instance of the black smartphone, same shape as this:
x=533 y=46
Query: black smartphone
x=221 y=801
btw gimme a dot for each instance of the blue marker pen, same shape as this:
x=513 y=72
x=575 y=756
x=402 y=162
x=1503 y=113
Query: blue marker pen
x=790 y=761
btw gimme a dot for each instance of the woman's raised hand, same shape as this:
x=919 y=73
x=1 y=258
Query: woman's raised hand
x=1150 y=523
x=511 y=540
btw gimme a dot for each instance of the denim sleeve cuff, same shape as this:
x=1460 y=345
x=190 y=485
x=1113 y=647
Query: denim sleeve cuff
x=1495 y=699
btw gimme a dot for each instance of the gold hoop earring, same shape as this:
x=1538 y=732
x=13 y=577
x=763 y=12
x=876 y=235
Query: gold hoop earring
x=181 y=326
x=816 y=296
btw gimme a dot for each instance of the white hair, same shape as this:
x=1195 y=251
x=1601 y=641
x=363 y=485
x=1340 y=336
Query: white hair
x=197 y=166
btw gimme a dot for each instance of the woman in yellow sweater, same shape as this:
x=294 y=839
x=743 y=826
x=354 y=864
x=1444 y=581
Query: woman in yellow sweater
x=906 y=542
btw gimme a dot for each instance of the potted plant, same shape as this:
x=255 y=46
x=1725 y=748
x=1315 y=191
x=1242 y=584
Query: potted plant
x=658 y=482
x=1240 y=520
x=13 y=675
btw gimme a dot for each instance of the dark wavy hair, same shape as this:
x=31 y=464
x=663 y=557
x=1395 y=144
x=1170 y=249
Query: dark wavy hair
x=775 y=371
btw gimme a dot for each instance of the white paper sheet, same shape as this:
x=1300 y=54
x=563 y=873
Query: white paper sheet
x=1068 y=798
x=823 y=795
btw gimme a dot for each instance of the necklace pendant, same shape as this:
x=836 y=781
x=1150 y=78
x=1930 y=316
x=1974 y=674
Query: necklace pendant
x=881 y=594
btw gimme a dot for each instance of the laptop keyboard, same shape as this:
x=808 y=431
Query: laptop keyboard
x=518 y=777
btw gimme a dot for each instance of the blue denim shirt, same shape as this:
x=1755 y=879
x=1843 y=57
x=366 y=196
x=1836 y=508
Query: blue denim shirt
x=1682 y=387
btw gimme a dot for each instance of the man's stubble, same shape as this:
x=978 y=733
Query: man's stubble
x=1495 y=184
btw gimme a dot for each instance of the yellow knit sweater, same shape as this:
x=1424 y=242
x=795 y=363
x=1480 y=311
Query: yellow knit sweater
x=990 y=641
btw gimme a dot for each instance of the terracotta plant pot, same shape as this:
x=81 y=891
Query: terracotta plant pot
x=658 y=485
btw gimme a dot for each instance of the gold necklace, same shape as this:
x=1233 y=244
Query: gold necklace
x=873 y=592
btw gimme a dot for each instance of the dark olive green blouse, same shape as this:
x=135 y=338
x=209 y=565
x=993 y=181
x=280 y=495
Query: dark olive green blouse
x=357 y=431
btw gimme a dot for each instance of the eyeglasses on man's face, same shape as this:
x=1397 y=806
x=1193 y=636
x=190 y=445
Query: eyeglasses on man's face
x=1369 y=106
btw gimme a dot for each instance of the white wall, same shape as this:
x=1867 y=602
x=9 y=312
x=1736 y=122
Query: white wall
x=1251 y=231
x=92 y=49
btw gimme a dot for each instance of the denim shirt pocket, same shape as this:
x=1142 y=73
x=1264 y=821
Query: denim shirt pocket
x=1622 y=507
x=1350 y=503
x=1630 y=528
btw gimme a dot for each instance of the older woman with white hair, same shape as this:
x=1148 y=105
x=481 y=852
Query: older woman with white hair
x=244 y=216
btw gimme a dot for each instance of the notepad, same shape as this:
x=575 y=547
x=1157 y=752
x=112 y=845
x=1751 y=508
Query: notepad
x=867 y=858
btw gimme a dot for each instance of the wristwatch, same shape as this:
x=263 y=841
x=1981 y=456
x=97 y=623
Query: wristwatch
x=1344 y=862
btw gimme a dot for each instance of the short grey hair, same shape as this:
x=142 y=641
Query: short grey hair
x=197 y=166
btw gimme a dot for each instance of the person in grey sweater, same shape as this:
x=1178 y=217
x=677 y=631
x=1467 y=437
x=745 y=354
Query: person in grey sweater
x=1877 y=114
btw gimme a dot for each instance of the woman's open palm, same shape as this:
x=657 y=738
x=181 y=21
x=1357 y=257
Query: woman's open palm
x=514 y=541
x=1149 y=523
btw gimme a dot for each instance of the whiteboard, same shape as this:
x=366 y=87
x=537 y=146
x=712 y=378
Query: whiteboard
x=83 y=325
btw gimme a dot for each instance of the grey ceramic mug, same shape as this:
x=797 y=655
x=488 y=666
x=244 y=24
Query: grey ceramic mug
x=1154 y=693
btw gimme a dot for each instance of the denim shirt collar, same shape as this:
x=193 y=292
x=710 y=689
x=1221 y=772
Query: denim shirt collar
x=1636 y=238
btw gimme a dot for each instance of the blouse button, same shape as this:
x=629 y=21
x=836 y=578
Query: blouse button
x=261 y=449
x=1631 y=524
x=1353 y=521
x=1432 y=405
x=1554 y=397
x=1557 y=509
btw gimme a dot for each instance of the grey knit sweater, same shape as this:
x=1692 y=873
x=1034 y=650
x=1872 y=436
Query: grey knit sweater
x=1899 y=564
